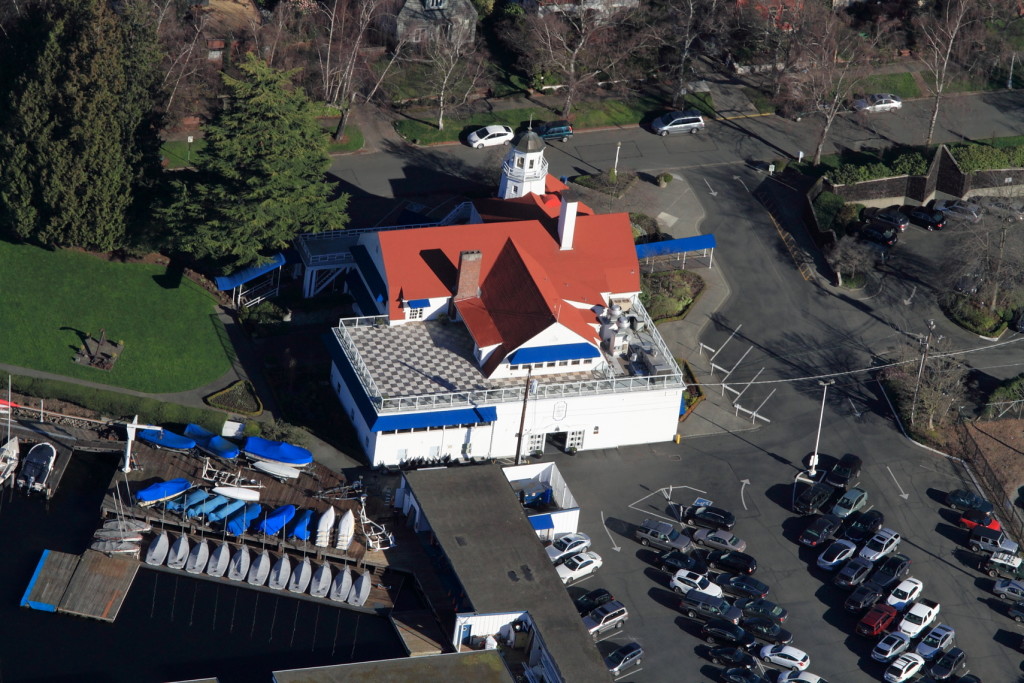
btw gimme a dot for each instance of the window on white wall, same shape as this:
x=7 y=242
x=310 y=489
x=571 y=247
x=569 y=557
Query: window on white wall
x=403 y=453
x=414 y=313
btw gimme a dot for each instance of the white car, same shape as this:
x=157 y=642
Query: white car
x=835 y=554
x=879 y=102
x=904 y=668
x=919 y=617
x=786 y=656
x=881 y=544
x=579 y=566
x=799 y=677
x=722 y=540
x=905 y=593
x=938 y=640
x=567 y=546
x=685 y=581
x=890 y=647
x=490 y=136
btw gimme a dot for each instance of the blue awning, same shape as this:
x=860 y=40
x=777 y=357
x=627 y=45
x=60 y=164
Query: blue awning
x=441 y=418
x=542 y=522
x=226 y=282
x=418 y=303
x=698 y=243
x=545 y=354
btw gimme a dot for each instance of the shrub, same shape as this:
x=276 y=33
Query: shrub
x=847 y=217
x=643 y=225
x=240 y=397
x=912 y=163
x=979 y=157
x=826 y=206
x=665 y=178
x=853 y=173
x=668 y=294
x=970 y=316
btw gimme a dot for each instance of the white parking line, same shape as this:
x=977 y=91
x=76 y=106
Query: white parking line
x=662 y=492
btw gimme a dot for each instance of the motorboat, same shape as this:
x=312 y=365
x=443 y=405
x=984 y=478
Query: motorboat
x=324 y=527
x=360 y=590
x=279 y=452
x=158 y=548
x=198 y=558
x=277 y=470
x=342 y=585
x=161 y=438
x=346 y=530
x=36 y=469
x=238 y=567
x=320 y=586
x=10 y=456
x=281 y=573
x=161 y=491
x=219 y=560
x=210 y=443
x=238 y=493
x=178 y=555
x=301 y=576
x=260 y=569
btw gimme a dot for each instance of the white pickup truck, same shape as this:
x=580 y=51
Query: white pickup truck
x=919 y=617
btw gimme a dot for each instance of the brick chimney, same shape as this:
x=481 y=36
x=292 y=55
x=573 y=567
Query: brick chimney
x=567 y=219
x=468 y=285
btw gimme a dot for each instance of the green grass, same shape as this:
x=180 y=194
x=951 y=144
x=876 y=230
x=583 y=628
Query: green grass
x=350 y=142
x=761 y=100
x=176 y=152
x=173 y=341
x=1009 y=141
x=902 y=84
x=967 y=82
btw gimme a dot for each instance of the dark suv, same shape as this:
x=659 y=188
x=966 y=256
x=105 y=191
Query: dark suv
x=813 y=498
x=880 y=234
x=844 y=471
x=891 y=216
x=554 y=130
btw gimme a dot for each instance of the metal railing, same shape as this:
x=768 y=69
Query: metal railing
x=513 y=171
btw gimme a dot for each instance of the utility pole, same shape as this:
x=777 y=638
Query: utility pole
x=814 y=456
x=920 y=369
x=522 y=418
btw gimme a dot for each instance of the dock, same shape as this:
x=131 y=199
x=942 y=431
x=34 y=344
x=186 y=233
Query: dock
x=66 y=440
x=91 y=585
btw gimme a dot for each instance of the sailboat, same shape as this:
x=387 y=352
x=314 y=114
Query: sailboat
x=9 y=453
x=128 y=524
x=157 y=551
x=260 y=569
x=280 y=574
x=342 y=585
x=117 y=535
x=321 y=583
x=346 y=530
x=198 y=558
x=324 y=527
x=115 y=547
x=219 y=560
x=301 y=577
x=238 y=568
x=360 y=590
x=178 y=555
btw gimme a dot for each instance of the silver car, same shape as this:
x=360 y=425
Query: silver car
x=721 y=540
x=689 y=121
x=878 y=102
x=567 y=546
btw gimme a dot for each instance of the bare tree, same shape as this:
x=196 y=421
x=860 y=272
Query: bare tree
x=850 y=257
x=769 y=36
x=452 y=73
x=930 y=382
x=681 y=26
x=986 y=265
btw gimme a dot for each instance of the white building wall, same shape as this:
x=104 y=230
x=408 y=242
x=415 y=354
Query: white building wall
x=483 y=624
x=455 y=442
x=366 y=437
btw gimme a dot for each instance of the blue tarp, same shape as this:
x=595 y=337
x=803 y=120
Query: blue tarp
x=698 y=243
x=192 y=498
x=211 y=443
x=163 y=489
x=276 y=451
x=542 y=522
x=226 y=282
x=240 y=521
x=206 y=507
x=300 y=525
x=276 y=520
x=441 y=418
x=161 y=438
x=225 y=511
x=546 y=354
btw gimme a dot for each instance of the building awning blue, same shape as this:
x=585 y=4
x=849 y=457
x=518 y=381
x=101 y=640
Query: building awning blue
x=545 y=354
x=226 y=282
x=698 y=243
x=441 y=418
x=542 y=522
x=418 y=303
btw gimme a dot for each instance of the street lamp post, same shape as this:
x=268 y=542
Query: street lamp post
x=817 y=439
x=188 y=154
x=522 y=417
x=920 y=369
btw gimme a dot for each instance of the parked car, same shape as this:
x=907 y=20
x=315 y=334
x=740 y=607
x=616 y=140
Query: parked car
x=565 y=547
x=891 y=216
x=689 y=121
x=741 y=585
x=587 y=603
x=490 y=136
x=906 y=667
x=741 y=675
x=925 y=217
x=850 y=502
x=799 y=677
x=813 y=498
x=785 y=656
x=579 y=566
x=704 y=607
x=863 y=526
x=951 y=664
x=990 y=541
x=733 y=561
x=554 y=130
x=672 y=561
x=1005 y=588
x=721 y=540
x=891 y=646
x=844 y=471
x=877 y=621
x=881 y=544
x=892 y=569
x=684 y=581
x=905 y=593
x=919 y=617
x=731 y=656
x=878 y=102
x=625 y=657
x=1003 y=565
x=881 y=234
x=962 y=499
x=709 y=517
x=722 y=631
x=835 y=554
x=767 y=630
x=821 y=529
x=975 y=518
x=610 y=615
x=853 y=573
x=759 y=607
x=663 y=535
x=936 y=641
x=958 y=208
x=1016 y=612
x=862 y=598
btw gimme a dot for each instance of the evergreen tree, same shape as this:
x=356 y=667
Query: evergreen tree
x=73 y=134
x=260 y=179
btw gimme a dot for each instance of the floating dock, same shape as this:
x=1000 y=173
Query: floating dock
x=92 y=585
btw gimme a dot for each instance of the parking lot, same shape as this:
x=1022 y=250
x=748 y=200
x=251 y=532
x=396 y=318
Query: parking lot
x=618 y=489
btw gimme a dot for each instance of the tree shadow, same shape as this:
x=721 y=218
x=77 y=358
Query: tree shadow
x=82 y=337
x=171 y=277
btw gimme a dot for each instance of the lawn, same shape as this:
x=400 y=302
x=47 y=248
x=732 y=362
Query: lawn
x=173 y=341
x=176 y=152
x=901 y=84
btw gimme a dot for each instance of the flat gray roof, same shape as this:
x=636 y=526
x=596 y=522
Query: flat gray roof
x=500 y=562
x=482 y=666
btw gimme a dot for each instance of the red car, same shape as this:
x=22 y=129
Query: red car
x=975 y=518
x=877 y=621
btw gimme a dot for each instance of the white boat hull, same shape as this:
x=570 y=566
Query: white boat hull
x=238 y=493
x=260 y=570
x=116 y=548
x=342 y=585
x=324 y=527
x=198 y=558
x=127 y=524
x=276 y=469
x=117 y=535
x=360 y=590
x=10 y=455
x=301 y=577
x=219 y=560
x=320 y=586
x=238 y=568
x=280 y=574
x=158 y=549
x=178 y=556
x=346 y=530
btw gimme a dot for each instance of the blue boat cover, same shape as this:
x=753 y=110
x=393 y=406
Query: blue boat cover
x=240 y=521
x=276 y=451
x=163 y=489
x=211 y=443
x=192 y=498
x=226 y=282
x=225 y=511
x=166 y=439
x=300 y=525
x=206 y=506
x=276 y=520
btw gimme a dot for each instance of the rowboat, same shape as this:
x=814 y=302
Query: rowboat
x=276 y=469
x=238 y=493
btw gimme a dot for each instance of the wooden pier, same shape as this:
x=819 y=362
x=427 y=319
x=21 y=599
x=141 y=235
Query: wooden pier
x=91 y=585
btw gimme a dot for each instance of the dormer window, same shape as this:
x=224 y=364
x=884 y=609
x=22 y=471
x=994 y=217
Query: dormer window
x=519 y=162
x=434 y=4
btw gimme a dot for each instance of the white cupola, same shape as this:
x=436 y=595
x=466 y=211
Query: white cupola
x=525 y=168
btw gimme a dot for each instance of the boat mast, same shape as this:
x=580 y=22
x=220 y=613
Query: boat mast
x=10 y=409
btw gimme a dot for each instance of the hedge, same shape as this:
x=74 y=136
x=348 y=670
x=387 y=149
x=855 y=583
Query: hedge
x=826 y=206
x=983 y=158
x=911 y=163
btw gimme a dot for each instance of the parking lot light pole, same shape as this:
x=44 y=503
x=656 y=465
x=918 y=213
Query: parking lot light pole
x=821 y=417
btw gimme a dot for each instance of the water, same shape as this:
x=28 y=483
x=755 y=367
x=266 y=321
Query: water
x=170 y=627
